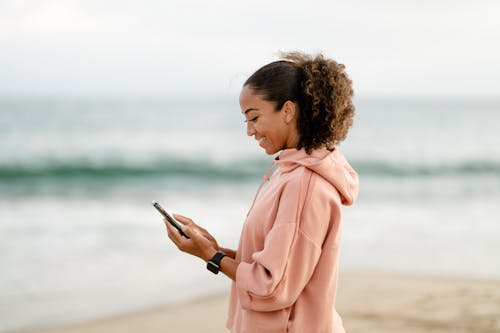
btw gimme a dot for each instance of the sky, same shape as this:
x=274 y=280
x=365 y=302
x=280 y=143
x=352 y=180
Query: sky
x=192 y=47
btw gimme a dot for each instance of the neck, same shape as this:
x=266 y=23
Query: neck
x=293 y=139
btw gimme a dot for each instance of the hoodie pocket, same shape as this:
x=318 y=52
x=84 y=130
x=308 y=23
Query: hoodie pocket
x=265 y=322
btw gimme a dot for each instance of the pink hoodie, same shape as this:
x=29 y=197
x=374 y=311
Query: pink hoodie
x=289 y=248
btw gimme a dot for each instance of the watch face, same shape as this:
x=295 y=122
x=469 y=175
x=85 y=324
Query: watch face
x=212 y=267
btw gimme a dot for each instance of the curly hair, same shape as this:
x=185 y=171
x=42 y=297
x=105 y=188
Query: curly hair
x=320 y=87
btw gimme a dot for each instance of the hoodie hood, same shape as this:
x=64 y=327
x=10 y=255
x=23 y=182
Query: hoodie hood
x=331 y=165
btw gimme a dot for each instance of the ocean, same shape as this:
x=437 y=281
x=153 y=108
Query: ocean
x=79 y=238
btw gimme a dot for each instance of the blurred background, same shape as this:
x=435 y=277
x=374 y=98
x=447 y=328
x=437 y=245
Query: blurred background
x=108 y=105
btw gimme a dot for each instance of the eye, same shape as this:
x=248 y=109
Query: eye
x=252 y=120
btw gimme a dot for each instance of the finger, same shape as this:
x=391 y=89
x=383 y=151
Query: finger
x=190 y=232
x=183 y=219
x=189 y=222
x=180 y=241
x=173 y=233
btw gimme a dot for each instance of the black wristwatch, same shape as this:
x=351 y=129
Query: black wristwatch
x=213 y=265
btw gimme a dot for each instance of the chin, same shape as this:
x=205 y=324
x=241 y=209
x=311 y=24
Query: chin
x=271 y=151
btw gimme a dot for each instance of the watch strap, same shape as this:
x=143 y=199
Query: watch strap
x=213 y=265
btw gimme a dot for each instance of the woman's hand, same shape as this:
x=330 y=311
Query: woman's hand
x=200 y=243
x=189 y=223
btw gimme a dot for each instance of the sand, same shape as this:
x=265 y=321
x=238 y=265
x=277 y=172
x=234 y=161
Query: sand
x=368 y=302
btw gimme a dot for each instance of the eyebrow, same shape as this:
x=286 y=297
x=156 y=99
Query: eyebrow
x=250 y=109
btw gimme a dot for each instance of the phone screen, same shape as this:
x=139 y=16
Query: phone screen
x=170 y=219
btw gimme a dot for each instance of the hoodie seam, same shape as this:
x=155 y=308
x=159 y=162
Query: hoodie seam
x=307 y=200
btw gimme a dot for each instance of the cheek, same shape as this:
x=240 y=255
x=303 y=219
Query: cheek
x=269 y=128
x=259 y=127
x=268 y=132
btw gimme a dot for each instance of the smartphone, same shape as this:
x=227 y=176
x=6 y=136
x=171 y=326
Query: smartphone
x=170 y=219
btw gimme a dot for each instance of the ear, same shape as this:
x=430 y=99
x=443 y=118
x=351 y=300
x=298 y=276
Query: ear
x=289 y=110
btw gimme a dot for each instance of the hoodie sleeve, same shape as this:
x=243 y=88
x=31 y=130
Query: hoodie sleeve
x=280 y=271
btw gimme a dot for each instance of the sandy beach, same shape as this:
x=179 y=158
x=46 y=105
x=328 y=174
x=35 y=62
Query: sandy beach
x=367 y=302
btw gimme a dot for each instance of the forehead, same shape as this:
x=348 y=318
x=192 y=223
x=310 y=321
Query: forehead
x=247 y=94
x=250 y=100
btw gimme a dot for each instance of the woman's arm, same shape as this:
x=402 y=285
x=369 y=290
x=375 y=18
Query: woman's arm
x=230 y=253
x=228 y=266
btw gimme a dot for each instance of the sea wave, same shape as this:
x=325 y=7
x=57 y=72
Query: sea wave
x=119 y=170
x=236 y=170
x=392 y=169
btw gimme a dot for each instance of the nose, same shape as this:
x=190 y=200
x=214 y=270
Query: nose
x=250 y=129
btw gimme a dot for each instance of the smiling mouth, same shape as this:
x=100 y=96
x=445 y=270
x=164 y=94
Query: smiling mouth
x=261 y=141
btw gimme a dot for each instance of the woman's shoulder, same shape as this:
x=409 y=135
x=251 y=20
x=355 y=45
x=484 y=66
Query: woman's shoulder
x=308 y=189
x=304 y=178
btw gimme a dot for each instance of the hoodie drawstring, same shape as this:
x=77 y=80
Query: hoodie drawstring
x=265 y=179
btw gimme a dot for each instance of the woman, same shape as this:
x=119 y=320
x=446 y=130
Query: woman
x=286 y=267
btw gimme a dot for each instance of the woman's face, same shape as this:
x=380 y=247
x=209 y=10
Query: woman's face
x=274 y=130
